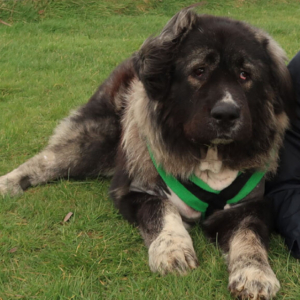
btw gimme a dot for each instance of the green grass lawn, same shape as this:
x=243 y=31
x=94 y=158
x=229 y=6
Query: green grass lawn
x=52 y=58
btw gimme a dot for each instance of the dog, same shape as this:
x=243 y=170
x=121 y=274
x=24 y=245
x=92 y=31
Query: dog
x=189 y=127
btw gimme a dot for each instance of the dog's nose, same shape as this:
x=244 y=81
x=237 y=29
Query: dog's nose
x=225 y=112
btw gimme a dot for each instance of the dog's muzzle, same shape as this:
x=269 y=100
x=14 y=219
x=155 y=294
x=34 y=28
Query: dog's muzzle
x=225 y=118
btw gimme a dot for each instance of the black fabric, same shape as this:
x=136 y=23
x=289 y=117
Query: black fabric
x=284 y=189
x=218 y=201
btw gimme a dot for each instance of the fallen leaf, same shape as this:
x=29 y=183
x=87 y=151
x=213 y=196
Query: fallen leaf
x=12 y=250
x=68 y=216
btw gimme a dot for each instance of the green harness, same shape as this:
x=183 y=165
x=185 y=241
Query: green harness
x=186 y=190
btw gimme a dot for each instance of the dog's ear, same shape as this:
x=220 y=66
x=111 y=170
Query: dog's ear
x=281 y=79
x=154 y=62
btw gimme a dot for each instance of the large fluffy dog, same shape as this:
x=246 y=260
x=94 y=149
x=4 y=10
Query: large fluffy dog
x=188 y=127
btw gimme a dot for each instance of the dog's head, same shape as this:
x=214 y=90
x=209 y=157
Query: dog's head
x=217 y=81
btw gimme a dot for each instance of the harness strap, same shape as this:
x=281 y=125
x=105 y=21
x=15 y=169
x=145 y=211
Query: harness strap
x=218 y=199
x=200 y=196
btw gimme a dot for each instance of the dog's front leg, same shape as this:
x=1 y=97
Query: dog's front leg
x=250 y=275
x=170 y=245
x=172 y=249
x=243 y=234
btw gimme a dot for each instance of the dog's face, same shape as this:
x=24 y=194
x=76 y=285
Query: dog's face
x=216 y=81
x=213 y=82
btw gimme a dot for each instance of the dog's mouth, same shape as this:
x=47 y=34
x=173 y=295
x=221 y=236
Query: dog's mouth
x=222 y=140
x=224 y=134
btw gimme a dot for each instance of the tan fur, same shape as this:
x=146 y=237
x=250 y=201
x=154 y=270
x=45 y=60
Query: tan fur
x=139 y=130
x=134 y=137
x=172 y=250
x=40 y=169
x=250 y=275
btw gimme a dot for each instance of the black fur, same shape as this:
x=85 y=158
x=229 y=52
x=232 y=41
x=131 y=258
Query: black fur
x=220 y=227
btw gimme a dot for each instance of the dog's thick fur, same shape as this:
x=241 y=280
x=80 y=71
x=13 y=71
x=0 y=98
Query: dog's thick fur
x=209 y=96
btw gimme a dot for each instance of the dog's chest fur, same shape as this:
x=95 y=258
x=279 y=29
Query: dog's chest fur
x=212 y=172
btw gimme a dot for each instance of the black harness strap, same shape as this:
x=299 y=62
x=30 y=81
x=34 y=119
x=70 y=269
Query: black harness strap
x=217 y=201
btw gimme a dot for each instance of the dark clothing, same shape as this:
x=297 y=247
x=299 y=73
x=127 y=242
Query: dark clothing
x=284 y=189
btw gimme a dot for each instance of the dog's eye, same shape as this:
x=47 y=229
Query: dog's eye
x=244 y=75
x=199 y=72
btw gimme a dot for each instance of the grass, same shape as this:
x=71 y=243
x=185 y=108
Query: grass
x=52 y=59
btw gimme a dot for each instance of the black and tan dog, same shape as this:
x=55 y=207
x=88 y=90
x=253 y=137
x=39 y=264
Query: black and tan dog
x=188 y=127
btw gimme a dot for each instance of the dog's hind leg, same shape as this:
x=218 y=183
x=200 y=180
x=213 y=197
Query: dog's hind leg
x=242 y=233
x=84 y=144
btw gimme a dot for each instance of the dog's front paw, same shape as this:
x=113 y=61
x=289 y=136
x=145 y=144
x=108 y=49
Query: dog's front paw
x=172 y=252
x=253 y=283
x=9 y=185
